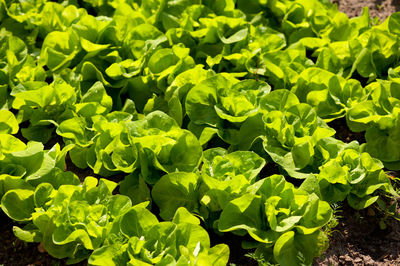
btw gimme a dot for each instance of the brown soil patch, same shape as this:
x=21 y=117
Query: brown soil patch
x=377 y=8
x=359 y=240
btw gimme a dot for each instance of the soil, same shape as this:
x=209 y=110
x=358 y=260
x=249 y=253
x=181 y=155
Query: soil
x=377 y=8
x=357 y=240
x=343 y=133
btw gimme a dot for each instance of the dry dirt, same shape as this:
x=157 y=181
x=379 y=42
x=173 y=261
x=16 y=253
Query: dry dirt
x=377 y=8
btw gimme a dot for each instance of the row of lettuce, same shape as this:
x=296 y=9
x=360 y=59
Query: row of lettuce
x=143 y=46
x=85 y=220
x=191 y=102
x=162 y=162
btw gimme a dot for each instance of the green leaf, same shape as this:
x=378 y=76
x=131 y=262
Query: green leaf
x=137 y=221
x=43 y=194
x=394 y=23
x=135 y=188
x=112 y=255
x=245 y=213
x=59 y=49
x=8 y=122
x=176 y=190
x=75 y=129
x=182 y=215
x=294 y=249
x=94 y=101
x=203 y=97
x=62 y=237
x=18 y=204
x=220 y=165
x=27 y=234
x=9 y=143
x=235 y=37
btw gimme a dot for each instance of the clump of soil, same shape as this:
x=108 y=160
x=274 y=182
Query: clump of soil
x=377 y=8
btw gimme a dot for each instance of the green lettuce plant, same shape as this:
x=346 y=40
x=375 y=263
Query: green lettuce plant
x=379 y=117
x=69 y=221
x=351 y=174
x=18 y=172
x=224 y=176
x=331 y=95
x=116 y=143
x=291 y=137
x=284 y=221
x=181 y=241
x=218 y=100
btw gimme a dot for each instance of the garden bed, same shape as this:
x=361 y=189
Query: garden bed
x=365 y=237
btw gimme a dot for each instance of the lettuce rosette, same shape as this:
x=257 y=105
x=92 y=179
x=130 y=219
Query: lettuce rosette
x=70 y=221
x=154 y=143
x=291 y=137
x=330 y=94
x=379 y=117
x=224 y=176
x=18 y=172
x=349 y=174
x=181 y=241
x=221 y=103
x=285 y=222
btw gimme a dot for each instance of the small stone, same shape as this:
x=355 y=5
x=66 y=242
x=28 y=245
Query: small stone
x=348 y=258
x=41 y=248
